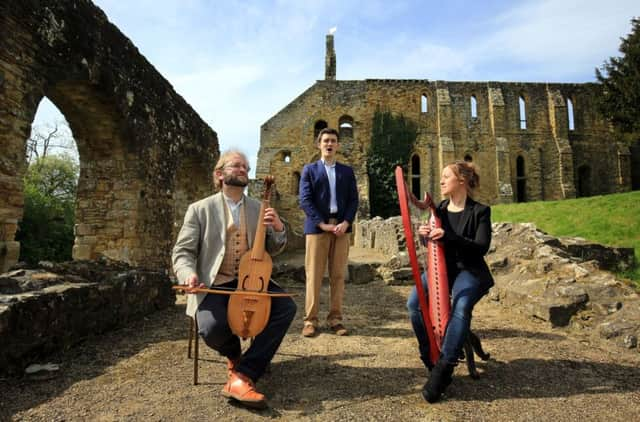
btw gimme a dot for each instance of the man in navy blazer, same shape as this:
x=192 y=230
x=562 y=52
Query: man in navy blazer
x=329 y=199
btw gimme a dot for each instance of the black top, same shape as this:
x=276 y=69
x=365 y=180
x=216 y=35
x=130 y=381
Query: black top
x=454 y=219
x=467 y=237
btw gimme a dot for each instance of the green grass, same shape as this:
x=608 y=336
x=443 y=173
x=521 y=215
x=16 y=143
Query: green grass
x=610 y=220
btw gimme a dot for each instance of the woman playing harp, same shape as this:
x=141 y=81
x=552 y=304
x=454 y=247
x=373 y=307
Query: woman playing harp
x=466 y=234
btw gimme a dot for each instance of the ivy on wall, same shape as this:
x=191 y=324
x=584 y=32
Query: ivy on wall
x=392 y=141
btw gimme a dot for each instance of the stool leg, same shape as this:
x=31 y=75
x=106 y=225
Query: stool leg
x=195 y=360
x=190 y=337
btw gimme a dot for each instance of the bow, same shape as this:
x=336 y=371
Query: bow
x=230 y=292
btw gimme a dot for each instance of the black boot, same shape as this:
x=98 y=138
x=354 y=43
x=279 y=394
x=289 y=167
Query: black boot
x=428 y=365
x=440 y=378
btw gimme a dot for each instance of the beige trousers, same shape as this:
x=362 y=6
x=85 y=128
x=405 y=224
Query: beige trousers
x=322 y=249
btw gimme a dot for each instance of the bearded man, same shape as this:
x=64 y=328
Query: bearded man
x=215 y=234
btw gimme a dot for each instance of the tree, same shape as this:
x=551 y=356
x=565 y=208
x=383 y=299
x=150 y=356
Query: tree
x=620 y=79
x=53 y=176
x=46 y=229
x=392 y=141
x=48 y=138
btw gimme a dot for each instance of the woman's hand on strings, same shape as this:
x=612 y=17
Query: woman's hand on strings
x=426 y=231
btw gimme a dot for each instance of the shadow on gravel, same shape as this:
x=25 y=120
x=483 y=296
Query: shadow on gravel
x=538 y=378
x=497 y=333
x=90 y=359
x=381 y=332
x=313 y=384
x=300 y=384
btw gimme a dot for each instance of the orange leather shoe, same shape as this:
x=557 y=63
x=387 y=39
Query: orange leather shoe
x=242 y=389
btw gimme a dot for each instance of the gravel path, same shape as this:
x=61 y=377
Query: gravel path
x=141 y=372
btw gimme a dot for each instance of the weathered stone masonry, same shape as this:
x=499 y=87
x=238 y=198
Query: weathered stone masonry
x=144 y=152
x=518 y=134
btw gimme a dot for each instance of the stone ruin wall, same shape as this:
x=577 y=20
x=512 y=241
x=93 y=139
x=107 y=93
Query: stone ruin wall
x=54 y=307
x=144 y=156
x=552 y=154
x=144 y=152
x=385 y=236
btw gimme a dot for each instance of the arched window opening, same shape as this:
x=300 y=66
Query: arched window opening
x=474 y=107
x=345 y=127
x=468 y=158
x=521 y=180
x=424 y=103
x=584 y=181
x=320 y=124
x=46 y=232
x=415 y=175
x=286 y=157
x=50 y=134
x=570 y=114
x=523 y=113
x=295 y=183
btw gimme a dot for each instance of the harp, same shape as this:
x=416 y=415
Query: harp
x=436 y=307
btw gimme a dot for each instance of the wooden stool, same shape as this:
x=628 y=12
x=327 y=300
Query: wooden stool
x=193 y=333
x=193 y=336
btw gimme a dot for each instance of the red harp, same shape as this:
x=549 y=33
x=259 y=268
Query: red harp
x=435 y=311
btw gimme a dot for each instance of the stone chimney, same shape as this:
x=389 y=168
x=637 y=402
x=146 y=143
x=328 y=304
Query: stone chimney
x=330 y=60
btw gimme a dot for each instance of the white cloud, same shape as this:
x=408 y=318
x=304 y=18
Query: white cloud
x=531 y=41
x=563 y=39
x=215 y=86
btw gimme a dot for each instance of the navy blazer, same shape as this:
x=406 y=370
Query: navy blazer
x=466 y=245
x=315 y=195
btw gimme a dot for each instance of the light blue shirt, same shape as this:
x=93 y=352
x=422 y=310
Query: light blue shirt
x=234 y=207
x=331 y=174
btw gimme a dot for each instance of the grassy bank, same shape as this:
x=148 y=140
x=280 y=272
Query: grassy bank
x=611 y=220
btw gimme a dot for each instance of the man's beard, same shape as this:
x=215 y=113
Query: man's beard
x=240 y=181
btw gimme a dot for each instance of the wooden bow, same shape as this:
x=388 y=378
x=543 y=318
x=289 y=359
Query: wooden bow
x=229 y=292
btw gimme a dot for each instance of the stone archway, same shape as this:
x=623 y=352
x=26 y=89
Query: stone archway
x=144 y=152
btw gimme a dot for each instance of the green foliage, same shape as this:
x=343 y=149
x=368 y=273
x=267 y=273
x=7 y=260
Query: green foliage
x=620 y=79
x=609 y=219
x=46 y=229
x=392 y=141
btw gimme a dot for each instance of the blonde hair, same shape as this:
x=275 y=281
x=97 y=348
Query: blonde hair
x=466 y=172
x=222 y=161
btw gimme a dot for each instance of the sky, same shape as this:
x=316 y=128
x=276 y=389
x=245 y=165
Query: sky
x=237 y=63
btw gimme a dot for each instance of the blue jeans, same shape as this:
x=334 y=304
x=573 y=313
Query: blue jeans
x=214 y=330
x=467 y=291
